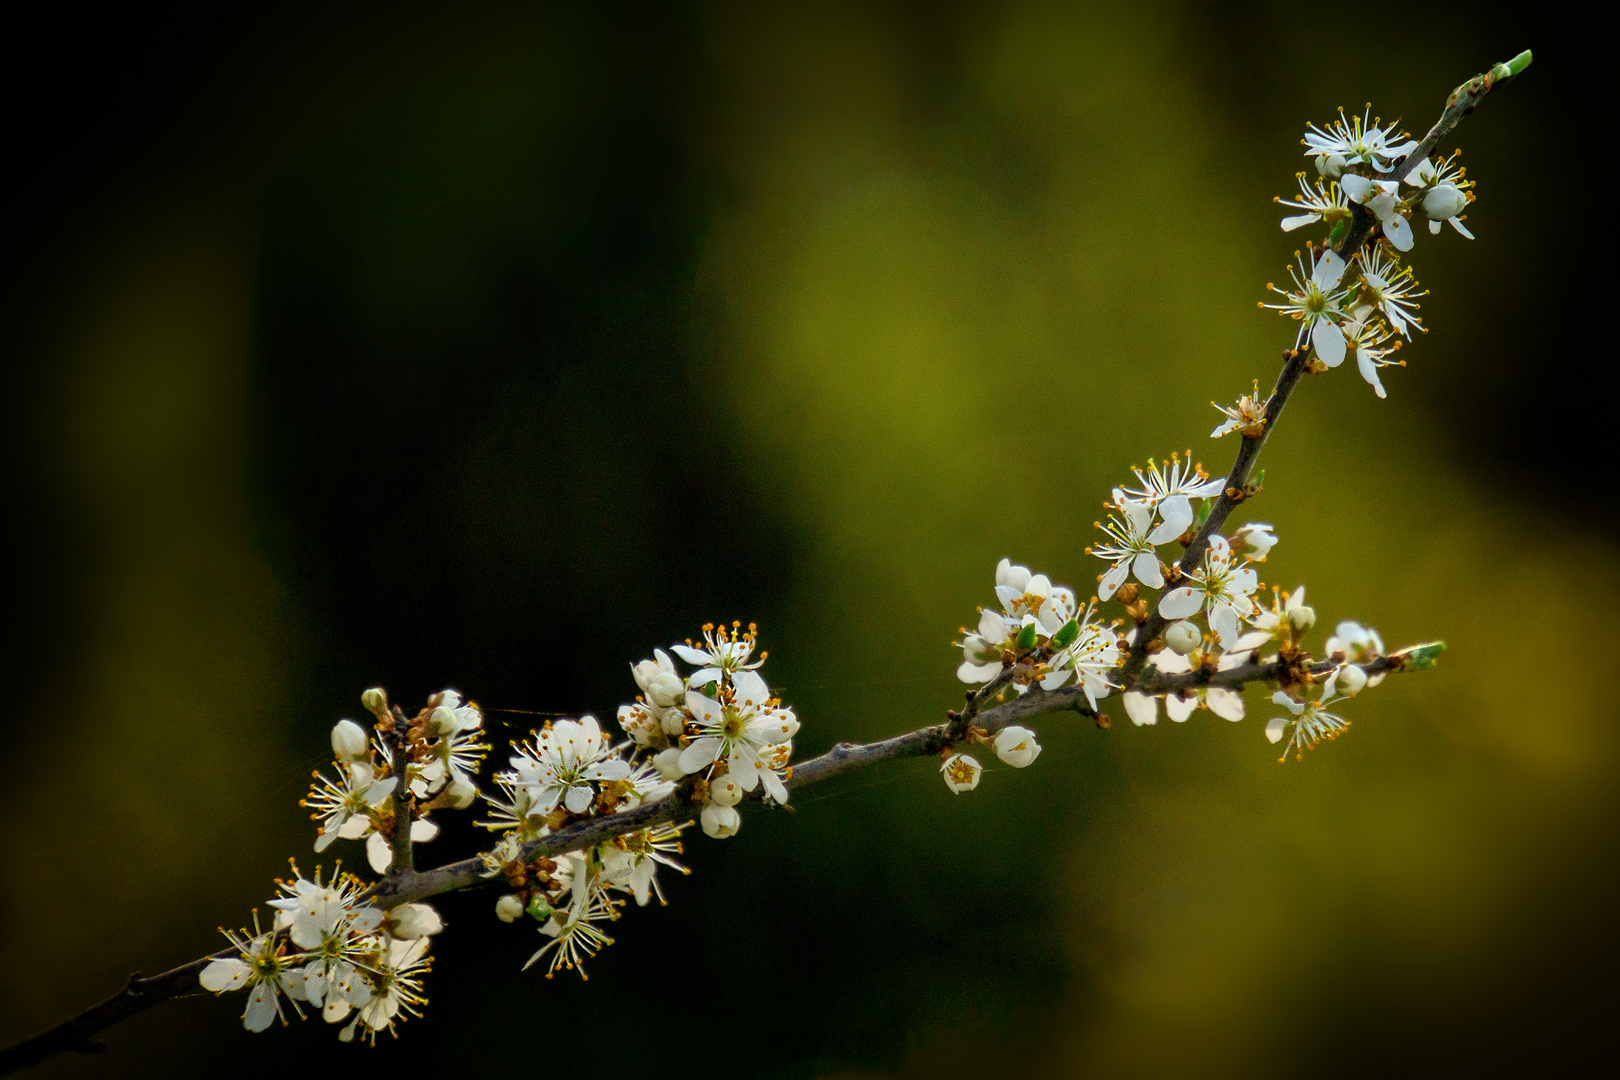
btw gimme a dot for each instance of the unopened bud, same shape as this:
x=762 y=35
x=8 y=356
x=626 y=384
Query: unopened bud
x=1444 y=201
x=410 y=921
x=1352 y=680
x=509 y=907
x=1182 y=637
x=460 y=794
x=725 y=791
x=668 y=763
x=721 y=821
x=1126 y=593
x=376 y=701
x=666 y=689
x=1302 y=618
x=442 y=721
x=349 y=741
x=644 y=672
x=1330 y=165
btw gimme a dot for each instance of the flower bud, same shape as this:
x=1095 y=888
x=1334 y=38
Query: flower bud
x=721 y=821
x=442 y=721
x=1330 y=165
x=666 y=689
x=460 y=794
x=644 y=672
x=961 y=772
x=410 y=921
x=1016 y=746
x=376 y=701
x=509 y=907
x=725 y=791
x=668 y=763
x=1351 y=681
x=1182 y=638
x=1301 y=618
x=1444 y=201
x=672 y=722
x=1254 y=541
x=349 y=741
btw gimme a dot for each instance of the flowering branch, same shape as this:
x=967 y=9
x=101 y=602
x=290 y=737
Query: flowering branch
x=582 y=821
x=1363 y=222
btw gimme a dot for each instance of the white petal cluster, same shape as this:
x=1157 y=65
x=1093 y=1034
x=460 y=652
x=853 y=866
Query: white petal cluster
x=328 y=950
x=444 y=752
x=1359 y=309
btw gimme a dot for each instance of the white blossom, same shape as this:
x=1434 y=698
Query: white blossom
x=346 y=804
x=1163 y=481
x=1247 y=416
x=397 y=994
x=1024 y=595
x=1393 y=289
x=1307 y=724
x=1223 y=591
x=380 y=851
x=1254 y=541
x=724 y=653
x=1316 y=301
x=981 y=651
x=1129 y=549
x=630 y=862
x=408 y=922
x=720 y=821
x=1367 y=337
x=1383 y=198
x=563 y=762
x=1088 y=660
x=961 y=772
x=1016 y=746
x=1446 y=192
x=1357 y=140
x=1317 y=203
x=1357 y=643
x=737 y=730
x=261 y=965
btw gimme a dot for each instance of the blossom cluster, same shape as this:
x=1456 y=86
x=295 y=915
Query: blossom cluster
x=719 y=730
x=327 y=949
x=442 y=755
x=1362 y=307
x=1039 y=638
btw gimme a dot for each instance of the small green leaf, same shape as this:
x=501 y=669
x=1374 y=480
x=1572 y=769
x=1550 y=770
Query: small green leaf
x=539 y=909
x=1026 y=636
x=1420 y=657
x=1066 y=633
x=1337 y=235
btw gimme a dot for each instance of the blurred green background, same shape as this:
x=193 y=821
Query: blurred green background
x=493 y=348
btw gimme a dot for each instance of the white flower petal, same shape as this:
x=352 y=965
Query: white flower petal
x=1141 y=708
x=1329 y=342
x=1146 y=568
x=1180 y=603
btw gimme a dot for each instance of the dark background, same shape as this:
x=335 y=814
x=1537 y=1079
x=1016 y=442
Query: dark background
x=493 y=348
